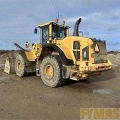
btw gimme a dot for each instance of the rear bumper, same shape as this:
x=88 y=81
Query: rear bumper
x=100 y=67
x=94 y=69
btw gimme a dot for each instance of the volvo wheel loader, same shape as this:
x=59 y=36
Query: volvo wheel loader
x=60 y=56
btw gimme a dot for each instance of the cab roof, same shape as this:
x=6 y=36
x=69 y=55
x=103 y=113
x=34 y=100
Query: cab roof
x=53 y=23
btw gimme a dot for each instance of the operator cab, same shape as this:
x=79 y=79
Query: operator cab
x=52 y=30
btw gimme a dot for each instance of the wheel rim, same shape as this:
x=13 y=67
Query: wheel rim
x=49 y=71
x=19 y=65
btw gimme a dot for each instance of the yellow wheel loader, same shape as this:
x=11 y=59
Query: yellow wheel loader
x=59 y=56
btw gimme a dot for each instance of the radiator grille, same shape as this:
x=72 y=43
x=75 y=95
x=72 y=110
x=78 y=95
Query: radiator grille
x=76 y=50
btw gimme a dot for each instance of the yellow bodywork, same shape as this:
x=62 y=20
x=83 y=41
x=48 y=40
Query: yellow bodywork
x=83 y=70
x=80 y=68
x=66 y=45
x=34 y=52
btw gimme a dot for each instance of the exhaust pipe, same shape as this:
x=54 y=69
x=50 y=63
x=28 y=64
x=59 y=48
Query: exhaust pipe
x=75 y=33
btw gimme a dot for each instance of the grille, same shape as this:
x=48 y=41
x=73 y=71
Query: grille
x=76 y=50
x=76 y=45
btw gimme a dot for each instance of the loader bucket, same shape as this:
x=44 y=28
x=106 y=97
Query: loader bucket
x=10 y=63
x=7 y=65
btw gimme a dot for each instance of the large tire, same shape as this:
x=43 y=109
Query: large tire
x=51 y=71
x=20 y=66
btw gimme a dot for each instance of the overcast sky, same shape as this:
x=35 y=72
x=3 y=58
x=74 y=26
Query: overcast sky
x=18 y=18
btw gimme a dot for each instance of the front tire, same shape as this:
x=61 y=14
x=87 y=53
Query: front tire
x=51 y=71
x=20 y=66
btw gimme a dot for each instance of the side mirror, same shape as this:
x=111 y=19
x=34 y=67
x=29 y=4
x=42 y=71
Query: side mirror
x=35 y=30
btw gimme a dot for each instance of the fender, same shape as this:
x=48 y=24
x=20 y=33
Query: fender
x=27 y=62
x=29 y=65
x=63 y=57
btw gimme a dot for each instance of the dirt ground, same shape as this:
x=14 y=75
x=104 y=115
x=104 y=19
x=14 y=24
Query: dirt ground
x=28 y=98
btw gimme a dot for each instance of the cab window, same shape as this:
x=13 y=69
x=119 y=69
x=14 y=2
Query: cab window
x=45 y=33
x=58 y=32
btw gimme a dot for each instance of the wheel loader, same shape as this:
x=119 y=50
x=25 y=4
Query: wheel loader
x=60 y=57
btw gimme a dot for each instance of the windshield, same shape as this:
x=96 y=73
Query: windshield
x=45 y=33
x=58 y=32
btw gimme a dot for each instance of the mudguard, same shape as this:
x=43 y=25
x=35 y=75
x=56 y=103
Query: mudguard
x=63 y=57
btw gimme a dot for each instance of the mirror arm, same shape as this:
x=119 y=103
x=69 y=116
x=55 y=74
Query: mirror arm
x=35 y=30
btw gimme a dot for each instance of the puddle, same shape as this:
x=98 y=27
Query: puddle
x=93 y=89
x=115 y=65
x=102 y=91
x=81 y=88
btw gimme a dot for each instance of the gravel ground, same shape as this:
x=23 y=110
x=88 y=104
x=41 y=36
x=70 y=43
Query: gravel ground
x=28 y=98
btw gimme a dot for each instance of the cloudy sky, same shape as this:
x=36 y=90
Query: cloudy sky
x=18 y=18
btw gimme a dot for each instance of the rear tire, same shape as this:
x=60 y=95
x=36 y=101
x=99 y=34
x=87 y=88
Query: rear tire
x=51 y=71
x=20 y=66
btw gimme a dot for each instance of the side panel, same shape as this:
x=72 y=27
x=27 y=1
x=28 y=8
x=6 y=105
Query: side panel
x=76 y=50
x=34 y=52
x=30 y=56
x=65 y=51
